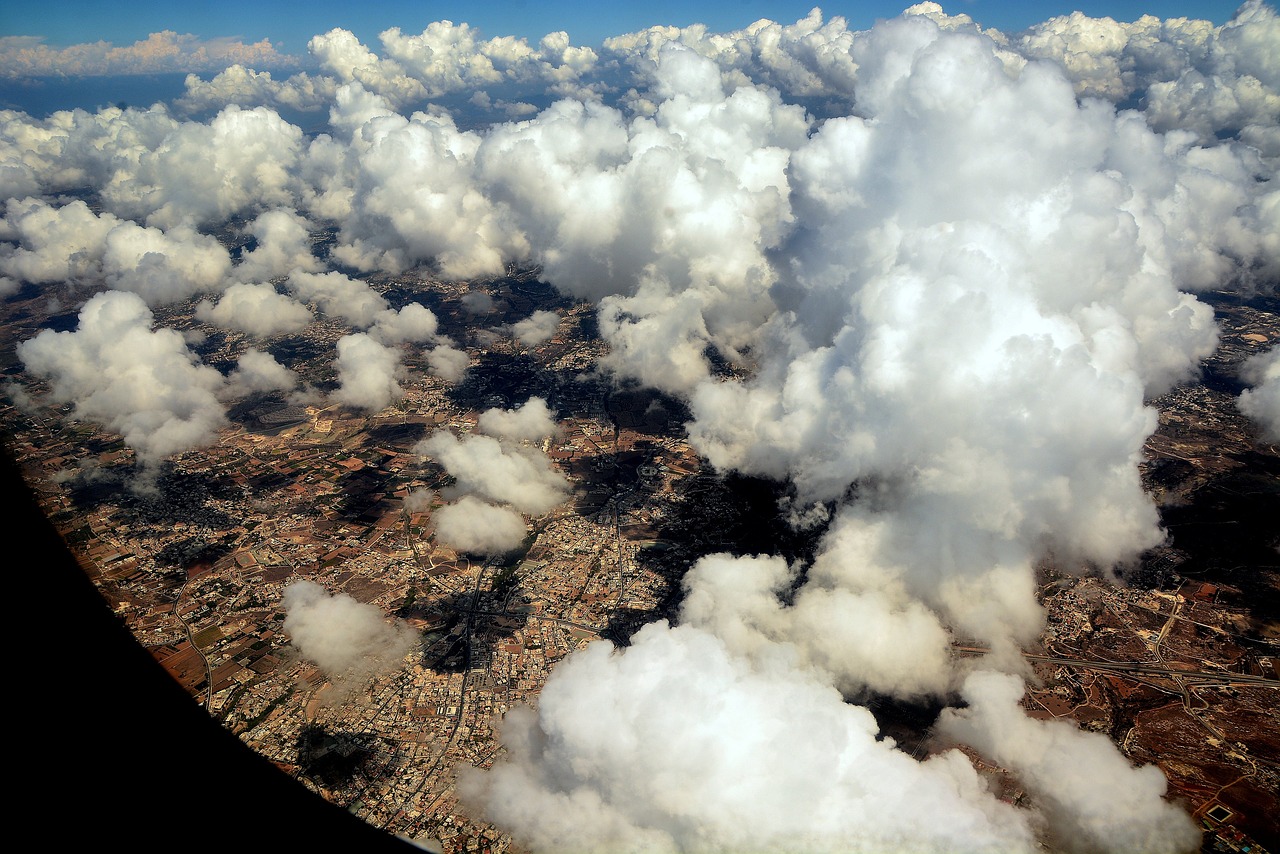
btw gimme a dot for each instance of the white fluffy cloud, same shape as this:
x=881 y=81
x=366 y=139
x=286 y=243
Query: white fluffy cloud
x=141 y=383
x=258 y=371
x=245 y=87
x=953 y=308
x=282 y=245
x=349 y=640
x=861 y=636
x=162 y=52
x=537 y=328
x=937 y=344
x=528 y=422
x=1262 y=401
x=241 y=162
x=406 y=195
x=54 y=244
x=666 y=221
x=368 y=373
x=1093 y=798
x=75 y=149
x=163 y=266
x=412 y=323
x=676 y=744
x=256 y=309
x=339 y=296
x=809 y=58
x=73 y=244
x=496 y=478
x=937 y=308
x=498 y=471
x=472 y=525
x=446 y=58
x=448 y=363
x=369 y=363
x=1187 y=74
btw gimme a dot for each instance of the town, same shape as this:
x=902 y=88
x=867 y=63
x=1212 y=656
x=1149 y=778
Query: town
x=1177 y=663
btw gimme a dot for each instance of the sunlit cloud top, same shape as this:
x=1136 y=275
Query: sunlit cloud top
x=95 y=38
x=946 y=260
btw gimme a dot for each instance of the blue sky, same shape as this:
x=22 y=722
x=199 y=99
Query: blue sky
x=290 y=24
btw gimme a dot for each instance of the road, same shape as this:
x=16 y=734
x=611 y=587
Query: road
x=1139 y=668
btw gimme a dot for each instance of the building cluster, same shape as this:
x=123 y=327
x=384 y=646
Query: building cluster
x=197 y=563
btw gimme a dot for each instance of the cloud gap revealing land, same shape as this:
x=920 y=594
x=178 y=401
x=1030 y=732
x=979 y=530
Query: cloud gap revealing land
x=702 y=441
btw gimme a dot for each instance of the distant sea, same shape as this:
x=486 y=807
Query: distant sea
x=40 y=96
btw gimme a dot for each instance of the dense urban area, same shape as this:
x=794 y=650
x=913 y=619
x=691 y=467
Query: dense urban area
x=1174 y=659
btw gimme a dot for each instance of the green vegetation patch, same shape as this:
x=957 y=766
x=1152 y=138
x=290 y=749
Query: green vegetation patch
x=207 y=637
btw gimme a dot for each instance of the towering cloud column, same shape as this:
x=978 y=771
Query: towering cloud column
x=973 y=292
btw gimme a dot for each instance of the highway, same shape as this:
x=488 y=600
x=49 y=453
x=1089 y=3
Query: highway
x=1138 y=668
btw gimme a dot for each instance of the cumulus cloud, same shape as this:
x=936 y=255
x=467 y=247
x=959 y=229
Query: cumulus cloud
x=497 y=478
x=419 y=500
x=340 y=53
x=528 y=422
x=472 y=525
x=876 y=638
x=813 y=62
x=1262 y=401
x=537 y=328
x=447 y=57
x=141 y=383
x=73 y=244
x=48 y=244
x=163 y=266
x=246 y=87
x=162 y=52
x=921 y=350
x=807 y=59
x=665 y=220
x=258 y=309
x=412 y=323
x=498 y=471
x=369 y=363
x=75 y=149
x=1185 y=73
x=448 y=363
x=149 y=167
x=368 y=373
x=406 y=195
x=349 y=640
x=241 y=162
x=1093 y=798
x=676 y=744
x=477 y=303
x=339 y=296
x=927 y=274
x=257 y=371
x=282 y=244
